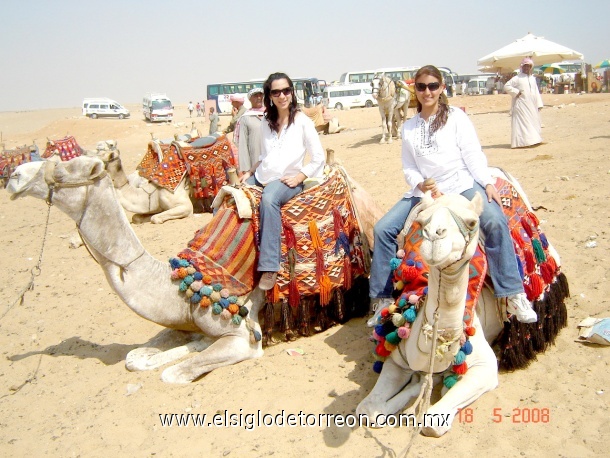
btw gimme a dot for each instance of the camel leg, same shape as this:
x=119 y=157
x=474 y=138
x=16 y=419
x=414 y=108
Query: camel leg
x=482 y=376
x=167 y=347
x=225 y=351
x=392 y=392
x=178 y=212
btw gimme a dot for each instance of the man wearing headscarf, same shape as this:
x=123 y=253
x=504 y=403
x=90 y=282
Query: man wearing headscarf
x=526 y=104
x=247 y=134
x=237 y=101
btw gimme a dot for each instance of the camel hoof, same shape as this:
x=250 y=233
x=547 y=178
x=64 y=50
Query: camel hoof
x=175 y=375
x=139 y=359
x=438 y=431
x=157 y=220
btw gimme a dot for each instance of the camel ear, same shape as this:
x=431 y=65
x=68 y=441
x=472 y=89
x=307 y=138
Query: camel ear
x=427 y=200
x=477 y=203
x=97 y=168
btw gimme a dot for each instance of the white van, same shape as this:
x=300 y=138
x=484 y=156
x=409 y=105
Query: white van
x=349 y=96
x=157 y=107
x=480 y=85
x=103 y=107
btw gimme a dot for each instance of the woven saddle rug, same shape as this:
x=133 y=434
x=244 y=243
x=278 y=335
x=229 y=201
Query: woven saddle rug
x=66 y=148
x=11 y=159
x=162 y=165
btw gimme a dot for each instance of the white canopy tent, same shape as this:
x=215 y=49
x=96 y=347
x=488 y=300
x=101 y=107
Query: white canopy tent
x=541 y=50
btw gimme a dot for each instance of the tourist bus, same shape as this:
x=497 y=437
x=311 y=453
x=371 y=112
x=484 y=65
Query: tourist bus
x=406 y=74
x=307 y=91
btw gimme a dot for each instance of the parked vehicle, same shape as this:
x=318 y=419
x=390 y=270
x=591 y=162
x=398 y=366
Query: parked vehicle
x=157 y=107
x=480 y=85
x=349 y=96
x=103 y=107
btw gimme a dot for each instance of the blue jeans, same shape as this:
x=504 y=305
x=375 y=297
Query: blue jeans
x=275 y=194
x=499 y=249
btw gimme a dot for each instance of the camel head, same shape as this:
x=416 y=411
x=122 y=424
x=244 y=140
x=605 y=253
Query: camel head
x=36 y=179
x=450 y=227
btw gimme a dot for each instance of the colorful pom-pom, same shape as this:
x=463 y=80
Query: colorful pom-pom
x=413 y=298
x=217 y=287
x=216 y=309
x=389 y=346
x=381 y=350
x=398 y=319
x=399 y=285
x=241 y=300
x=225 y=293
x=224 y=303
x=189 y=293
x=425 y=292
x=460 y=369
x=392 y=308
x=470 y=330
x=256 y=335
x=236 y=320
x=174 y=275
x=207 y=279
x=232 y=299
x=183 y=286
x=195 y=298
x=380 y=331
x=450 y=380
x=459 y=358
x=191 y=270
x=410 y=262
x=392 y=338
x=174 y=262
x=205 y=302
x=403 y=332
x=233 y=308
x=243 y=311
x=197 y=276
x=377 y=366
x=184 y=263
x=196 y=285
x=182 y=272
x=402 y=302
x=385 y=312
x=394 y=263
x=188 y=279
x=225 y=315
x=215 y=296
x=400 y=254
x=466 y=347
x=376 y=336
x=205 y=291
x=410 y=314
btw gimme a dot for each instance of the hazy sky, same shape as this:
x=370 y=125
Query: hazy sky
x=55 y=53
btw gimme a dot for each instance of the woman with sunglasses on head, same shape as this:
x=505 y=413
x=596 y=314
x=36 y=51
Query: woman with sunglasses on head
x=440 y=142
x=287 y=135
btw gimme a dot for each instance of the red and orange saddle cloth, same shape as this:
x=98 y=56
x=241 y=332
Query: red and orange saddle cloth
x=206 y=165
x=66 y=148
x=11 y=159
x=322 y=246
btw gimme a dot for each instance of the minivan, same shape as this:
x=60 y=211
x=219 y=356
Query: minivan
x=157 y=107
x=104 y=108
x=480 y=85
x=349 y=96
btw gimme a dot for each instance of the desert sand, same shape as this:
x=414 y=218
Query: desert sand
x=64 y=389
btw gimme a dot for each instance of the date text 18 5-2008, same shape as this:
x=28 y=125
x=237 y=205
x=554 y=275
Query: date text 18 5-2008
x=515 y=415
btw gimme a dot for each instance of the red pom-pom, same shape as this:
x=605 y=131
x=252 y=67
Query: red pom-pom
x=533 y=219
x=385 y=312
x=460 y=369
x=530 y=262
x=409 y=273
x=537 y=285
x=470 y=330
x=381 y=350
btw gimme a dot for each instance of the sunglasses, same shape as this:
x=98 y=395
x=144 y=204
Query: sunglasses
x=421 y=87
x=276 y=92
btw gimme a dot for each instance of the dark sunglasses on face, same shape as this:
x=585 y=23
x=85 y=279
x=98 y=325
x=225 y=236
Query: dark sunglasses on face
x=276 y=92
x=421 y=87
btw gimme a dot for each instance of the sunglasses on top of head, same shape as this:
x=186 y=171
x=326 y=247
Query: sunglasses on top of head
x=421 y=87
x=276 y=92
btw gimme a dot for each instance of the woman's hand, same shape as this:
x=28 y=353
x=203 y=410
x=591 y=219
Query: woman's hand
x=293 y=182
x=429 y=185
x=492 y=194
x=245 y=176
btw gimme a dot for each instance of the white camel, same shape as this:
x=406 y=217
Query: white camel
x=142 y=197
x=384 y=90
x=401 y=111
x=82 y=189
x=450 y=235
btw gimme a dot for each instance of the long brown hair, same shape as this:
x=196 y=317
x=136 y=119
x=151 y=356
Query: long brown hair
x=271 y=112
x=443 y=103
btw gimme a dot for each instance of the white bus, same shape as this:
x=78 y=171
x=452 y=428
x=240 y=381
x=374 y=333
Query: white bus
x=365 y=76
x=306 y=90
x=347 y=96
x=157 y=107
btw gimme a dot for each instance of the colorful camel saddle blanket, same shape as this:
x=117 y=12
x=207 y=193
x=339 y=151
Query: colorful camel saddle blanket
x=162 y=165
x=323 y=246
x=11 y=159
x=536 y=265
x=66 y=148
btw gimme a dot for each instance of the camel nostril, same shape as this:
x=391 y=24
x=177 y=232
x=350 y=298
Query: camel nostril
x=441 y=232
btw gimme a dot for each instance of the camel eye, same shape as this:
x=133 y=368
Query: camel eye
x=472 y=224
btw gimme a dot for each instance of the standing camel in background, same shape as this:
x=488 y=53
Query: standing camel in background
x=384 y=91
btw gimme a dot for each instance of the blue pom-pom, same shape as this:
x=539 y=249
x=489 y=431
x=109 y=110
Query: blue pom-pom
x=459 y=358
x=197 y=276
x=410 y=262
x=377 y=366
x=426 y=291
x=257 y=335
x=224 y=303
x=380 y=330
x=232 y=299
x=195 y=298
x=419 y=265
x=174 y=262
x=206 y=291
x=184 y=263
x=217 y=287
x=188 y=279
x=467 y=347
x=402 y=302
x=236 y=319
x=394 y=263
x=545 y=242
x=410 y=315
x=216 y=308
x=183 y=286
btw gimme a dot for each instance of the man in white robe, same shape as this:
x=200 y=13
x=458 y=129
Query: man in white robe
x=526 y=104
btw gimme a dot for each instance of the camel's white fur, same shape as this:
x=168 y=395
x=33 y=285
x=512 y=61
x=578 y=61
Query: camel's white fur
x=384 y=91
x=141 y=281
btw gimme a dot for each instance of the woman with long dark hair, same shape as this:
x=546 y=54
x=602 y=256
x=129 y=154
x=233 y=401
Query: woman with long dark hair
x=440 y=142
x=287 y=136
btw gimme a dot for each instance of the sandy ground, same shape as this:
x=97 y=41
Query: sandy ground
x=64 y=390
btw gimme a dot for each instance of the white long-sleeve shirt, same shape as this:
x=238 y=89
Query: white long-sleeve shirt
x=451 y=155
x=283 y=154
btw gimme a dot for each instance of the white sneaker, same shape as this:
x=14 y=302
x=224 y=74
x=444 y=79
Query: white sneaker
x=519 y=306
x=377 y=305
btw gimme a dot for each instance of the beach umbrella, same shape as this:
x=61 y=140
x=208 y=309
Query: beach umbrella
x=541 y=50
x=603 y=64
x=553 y=69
